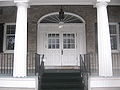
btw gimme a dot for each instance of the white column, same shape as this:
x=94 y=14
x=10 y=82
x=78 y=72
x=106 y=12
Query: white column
x=20 y=51
x=104 y=46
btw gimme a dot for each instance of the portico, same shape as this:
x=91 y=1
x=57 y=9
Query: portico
x=50 y=39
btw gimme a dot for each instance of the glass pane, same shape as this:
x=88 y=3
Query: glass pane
x=72 y=35
x=49 y=46
x=49 y=35
x=64 y=41
x=53 y=40
x=72 y=45
x=53 y=35
x=68 y=41
x=10 y=29
x=113 y=29
x=64 y=35
x=68 y=35
x=10 y=42
x=113 y=42
x=57 y=35
x=65 y=46
x=72 y=40
x=57 y=46
x=49 y=41
x=53 y=46
x=57 y=40
x=68 y=45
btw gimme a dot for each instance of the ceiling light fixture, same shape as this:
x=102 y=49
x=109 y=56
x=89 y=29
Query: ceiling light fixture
x=61 y=17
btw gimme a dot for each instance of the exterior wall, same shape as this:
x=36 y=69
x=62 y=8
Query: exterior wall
x=88 y=13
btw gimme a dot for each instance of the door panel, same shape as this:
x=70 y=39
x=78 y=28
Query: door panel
x=52 y=49
x=69 y=49
x=60 y=49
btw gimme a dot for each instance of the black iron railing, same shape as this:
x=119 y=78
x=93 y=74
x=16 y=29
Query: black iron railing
x=92 y=63
x=7 y=60
x=39 y=68
x=84 y=72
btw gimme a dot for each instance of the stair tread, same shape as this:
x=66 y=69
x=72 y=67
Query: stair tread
x=62 y=81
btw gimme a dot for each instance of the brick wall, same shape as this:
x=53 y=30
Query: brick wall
x=88 y=13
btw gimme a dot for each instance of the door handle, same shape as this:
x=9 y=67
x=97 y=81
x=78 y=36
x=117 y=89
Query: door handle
x=61 y=52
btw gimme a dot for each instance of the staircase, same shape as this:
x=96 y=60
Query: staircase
x=62 y=80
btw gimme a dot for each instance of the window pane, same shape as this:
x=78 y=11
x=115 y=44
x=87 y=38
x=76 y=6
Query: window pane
x=10 y=29
x=57 y=46
x=113 y=42
x=113 y=29
x=68 y=41
x=10 y=42
x=57 y=40
x=53 y=46
x=53 y=41
x=65 y=46
x=72 y=45
x=49 y=46
x=49 y=40
x=72 y=40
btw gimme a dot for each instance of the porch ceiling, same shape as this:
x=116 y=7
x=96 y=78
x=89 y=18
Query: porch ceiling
x=57 y=2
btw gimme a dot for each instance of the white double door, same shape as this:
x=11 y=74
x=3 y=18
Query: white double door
x=60 y=49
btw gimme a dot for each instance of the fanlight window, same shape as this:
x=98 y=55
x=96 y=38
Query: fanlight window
x=68 y=18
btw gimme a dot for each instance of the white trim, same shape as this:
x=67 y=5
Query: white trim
x=103 y=82
x=4 y=42
x=27 y=82
x=58 y=13
x=118 y=42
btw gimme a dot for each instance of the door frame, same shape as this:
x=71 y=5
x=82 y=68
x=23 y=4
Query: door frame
x=81 y=47
x=81 y=41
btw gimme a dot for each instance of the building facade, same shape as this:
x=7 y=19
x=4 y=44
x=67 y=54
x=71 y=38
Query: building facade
x=88 y=27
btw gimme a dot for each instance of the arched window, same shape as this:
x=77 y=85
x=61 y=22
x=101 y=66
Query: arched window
x=68 y=18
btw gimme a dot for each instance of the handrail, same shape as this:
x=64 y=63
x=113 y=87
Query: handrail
x=84 y=72
x=39 y=68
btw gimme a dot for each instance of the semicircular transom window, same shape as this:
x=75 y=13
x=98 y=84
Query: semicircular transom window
x=68 y=18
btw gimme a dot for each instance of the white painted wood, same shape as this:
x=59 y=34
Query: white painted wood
x=20 y=50
x=19 y=82
x=104 y=46
x=19 y=1
x=69 y=56
x=102 y=82
x=58 y=2
x=103 y=0
x=53 y=57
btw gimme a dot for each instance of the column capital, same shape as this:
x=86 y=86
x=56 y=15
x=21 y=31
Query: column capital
x=98 y=4
x=16 y=1
x=22 y=3
x=103 y=0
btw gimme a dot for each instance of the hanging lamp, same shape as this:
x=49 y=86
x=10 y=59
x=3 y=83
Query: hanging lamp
x=61 y=17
